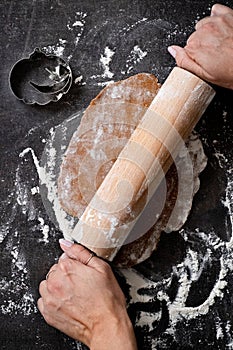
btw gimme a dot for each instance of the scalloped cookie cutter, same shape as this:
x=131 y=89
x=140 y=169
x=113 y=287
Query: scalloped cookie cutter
x=41 y=78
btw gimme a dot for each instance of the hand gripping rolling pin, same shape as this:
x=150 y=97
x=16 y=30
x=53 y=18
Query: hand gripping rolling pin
x=143 y=162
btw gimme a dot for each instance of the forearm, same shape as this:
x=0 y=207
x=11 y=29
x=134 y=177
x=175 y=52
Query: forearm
x=116 y=333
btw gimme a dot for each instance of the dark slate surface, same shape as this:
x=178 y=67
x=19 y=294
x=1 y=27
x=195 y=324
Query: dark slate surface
x=186 y=297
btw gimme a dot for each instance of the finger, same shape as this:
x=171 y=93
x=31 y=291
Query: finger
x=40 y=305
x=203 y=22
x=184 y=61
x=51 y=271
x=65 y=246
x=81 y=254
x=43 y=293
x=75 y=251
x=63 y=257
x=43 y=288
x=218 y=10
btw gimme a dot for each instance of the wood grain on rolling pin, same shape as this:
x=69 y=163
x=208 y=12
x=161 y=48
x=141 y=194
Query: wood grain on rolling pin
x=142 y=163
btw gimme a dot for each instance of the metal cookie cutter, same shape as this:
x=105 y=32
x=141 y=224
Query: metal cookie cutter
x=40 y=78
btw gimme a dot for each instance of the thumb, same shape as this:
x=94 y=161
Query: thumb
x=80 y=253
x=183 y=60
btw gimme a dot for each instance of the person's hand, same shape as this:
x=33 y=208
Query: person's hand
x=82 y=298
x=209 y=50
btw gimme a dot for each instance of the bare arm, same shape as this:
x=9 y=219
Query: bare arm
x=209 y=50
x=86 y=302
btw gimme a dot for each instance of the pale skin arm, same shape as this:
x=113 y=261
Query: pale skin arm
x=86 y=302
x=209 y=50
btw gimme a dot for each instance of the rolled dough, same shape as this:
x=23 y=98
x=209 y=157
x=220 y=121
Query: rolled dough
x=106 y=125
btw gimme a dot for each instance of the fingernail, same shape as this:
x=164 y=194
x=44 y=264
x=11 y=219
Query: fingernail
x=65 y=242
x=172 y=51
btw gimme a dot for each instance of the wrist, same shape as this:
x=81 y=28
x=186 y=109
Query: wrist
x=114 y=332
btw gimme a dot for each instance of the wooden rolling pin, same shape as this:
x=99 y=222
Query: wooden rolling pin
x=143 y=162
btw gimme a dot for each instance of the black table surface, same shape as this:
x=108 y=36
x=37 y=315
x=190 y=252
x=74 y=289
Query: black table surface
x=180 y=298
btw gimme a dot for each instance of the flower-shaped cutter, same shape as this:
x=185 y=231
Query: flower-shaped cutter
x=40 y=78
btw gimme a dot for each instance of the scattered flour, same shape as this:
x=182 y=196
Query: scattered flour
x=56 y=49
x=35 y=190
x=188 y=272
x=24 y=302
x=78 y=22
x=78 y=79
x=129 y=27
x=219 y=328
x=105 y=60
x=61 y=48
x=44 y=229
x=47 y=180
x=24 y=305
x=136 y=55
x=77 y=25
